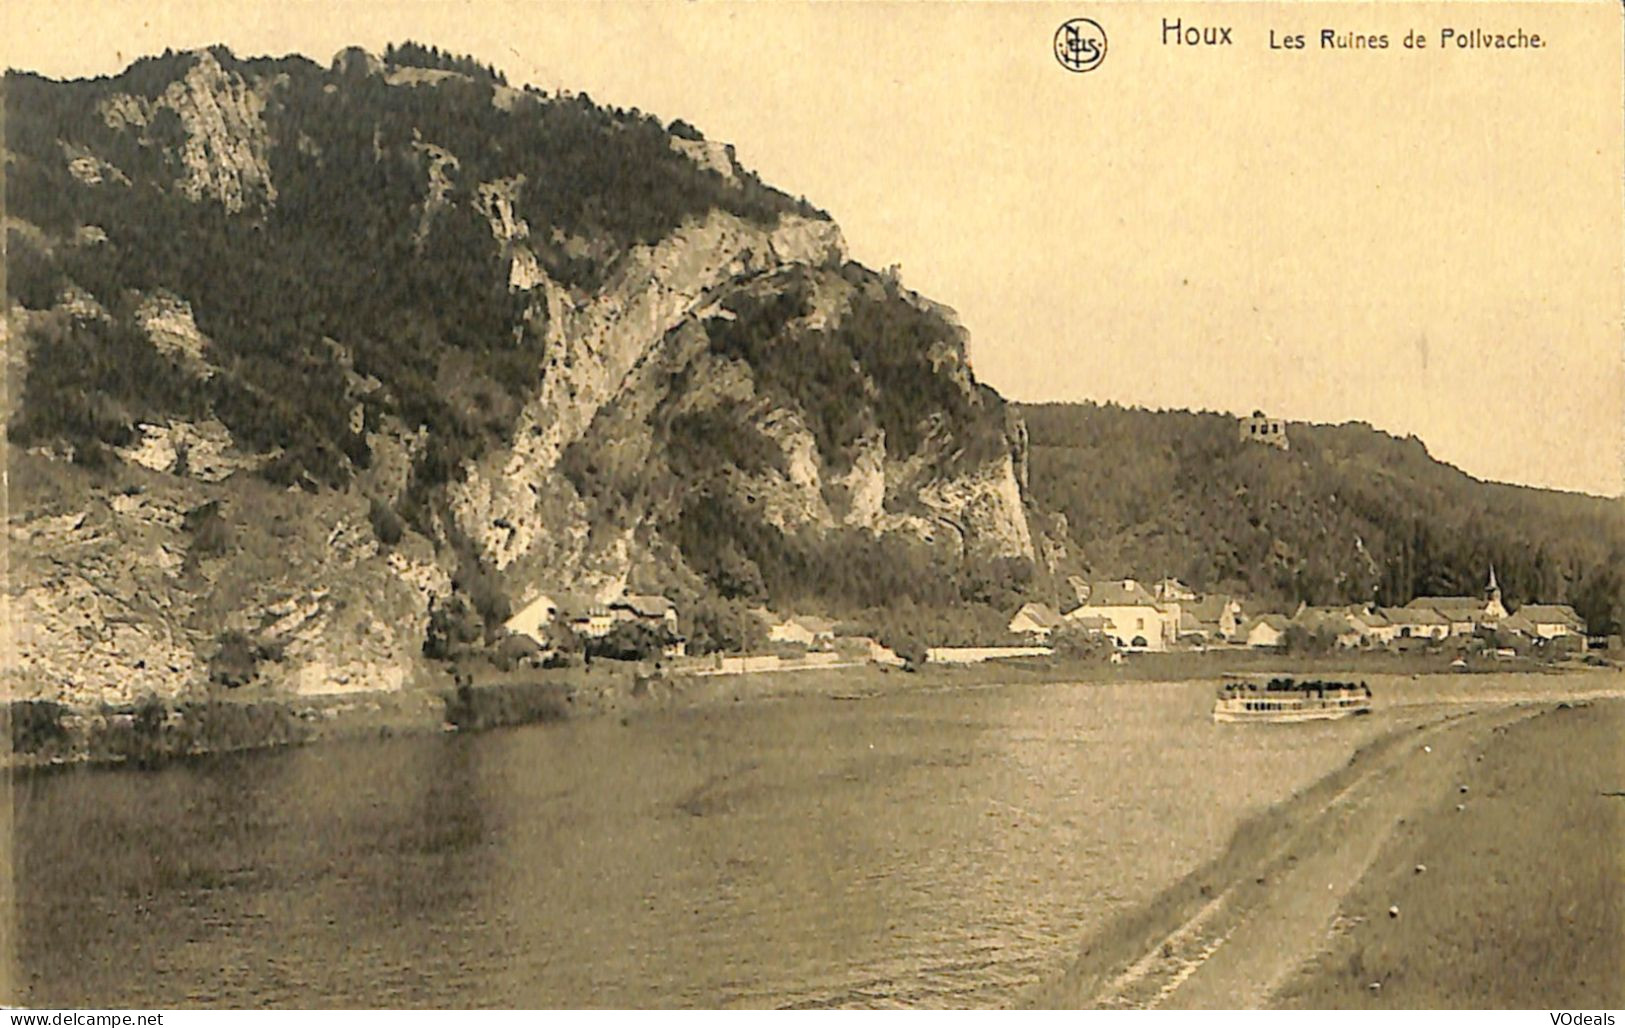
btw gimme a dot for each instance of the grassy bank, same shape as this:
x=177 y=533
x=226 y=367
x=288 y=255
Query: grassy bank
x=1520 y=902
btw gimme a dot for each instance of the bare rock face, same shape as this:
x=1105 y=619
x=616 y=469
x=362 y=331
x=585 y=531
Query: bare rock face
x=595 y=343
x=441 y=165
x=91 y=611
x=612 y=356
x=859 y=496
x=497 y=201
x=986 y=509
x=353 y=60
x=90 y=169
x=115 y=596
x=167 y=320
x=708 y=155
x=226 y=149
x=203 y=450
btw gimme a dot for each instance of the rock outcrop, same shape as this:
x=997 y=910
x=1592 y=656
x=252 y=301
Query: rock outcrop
x=594 y=344
x=225 y=152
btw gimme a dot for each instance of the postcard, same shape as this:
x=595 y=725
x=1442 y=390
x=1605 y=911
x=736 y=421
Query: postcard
x=798 y=505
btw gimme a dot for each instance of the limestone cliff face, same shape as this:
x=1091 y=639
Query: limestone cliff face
x=985 y=509
x=612 y=359
x=595 y=344
x=225 y=152
x=111 y=597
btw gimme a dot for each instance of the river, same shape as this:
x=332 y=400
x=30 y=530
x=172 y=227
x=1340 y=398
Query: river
x=928 y=848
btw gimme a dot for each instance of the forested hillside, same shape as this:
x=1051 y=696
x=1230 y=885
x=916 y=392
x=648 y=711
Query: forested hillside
x=1347 y=514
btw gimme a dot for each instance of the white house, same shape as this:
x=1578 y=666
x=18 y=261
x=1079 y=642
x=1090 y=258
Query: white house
x=1266 y=631
x=1135 y=619
x=532 y=619
x=1546 y=621
x=1037 y=620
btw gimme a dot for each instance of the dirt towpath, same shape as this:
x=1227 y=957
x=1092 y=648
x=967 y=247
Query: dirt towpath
x=1279 y=918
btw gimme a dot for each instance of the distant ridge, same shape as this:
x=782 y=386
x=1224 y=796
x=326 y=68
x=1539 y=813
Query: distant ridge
x=1349 y=514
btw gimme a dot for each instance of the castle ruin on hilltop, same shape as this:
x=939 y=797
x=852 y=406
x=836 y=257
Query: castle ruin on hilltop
x=1266 y=430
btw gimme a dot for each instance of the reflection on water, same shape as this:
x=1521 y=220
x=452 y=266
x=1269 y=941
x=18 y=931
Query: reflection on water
x=933 y=849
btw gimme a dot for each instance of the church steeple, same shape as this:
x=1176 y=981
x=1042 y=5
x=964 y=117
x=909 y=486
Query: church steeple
x=1492 y=598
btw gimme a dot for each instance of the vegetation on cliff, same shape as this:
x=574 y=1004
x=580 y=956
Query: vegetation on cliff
x=358 y=267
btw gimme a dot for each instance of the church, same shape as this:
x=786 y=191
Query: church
x=1466 y=613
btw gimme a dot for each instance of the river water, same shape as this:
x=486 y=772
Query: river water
x=931 y=848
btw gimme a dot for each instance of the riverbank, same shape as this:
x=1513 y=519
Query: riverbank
x=1469 y=859
x=152 y=731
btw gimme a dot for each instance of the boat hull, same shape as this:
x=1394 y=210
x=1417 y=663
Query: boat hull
x=1225 y=716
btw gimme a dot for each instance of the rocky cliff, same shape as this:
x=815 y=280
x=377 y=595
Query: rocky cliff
x=292 y=348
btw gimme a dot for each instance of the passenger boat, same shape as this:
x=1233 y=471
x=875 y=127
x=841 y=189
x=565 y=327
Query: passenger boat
x=1280 y=698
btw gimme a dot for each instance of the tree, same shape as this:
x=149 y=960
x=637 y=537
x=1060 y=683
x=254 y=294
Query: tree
x=235 y=661
x=1074 y=642
x=631 y=640
x=722 y=626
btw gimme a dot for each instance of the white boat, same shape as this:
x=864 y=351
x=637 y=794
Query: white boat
x=1279 y=698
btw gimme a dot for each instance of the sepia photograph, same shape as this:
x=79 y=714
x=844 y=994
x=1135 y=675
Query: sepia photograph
x=521 y=505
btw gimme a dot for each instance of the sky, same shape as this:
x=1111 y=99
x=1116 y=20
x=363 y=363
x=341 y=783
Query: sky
x=1426 y=240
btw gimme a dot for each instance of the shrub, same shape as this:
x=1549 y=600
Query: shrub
x=387 y=525
x=515 y=703
x=235 y=661
x=35 y=726
x=211 y=537
x=453 y=626
x=630 y=640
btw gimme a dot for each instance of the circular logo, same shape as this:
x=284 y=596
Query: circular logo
x=1080 y=44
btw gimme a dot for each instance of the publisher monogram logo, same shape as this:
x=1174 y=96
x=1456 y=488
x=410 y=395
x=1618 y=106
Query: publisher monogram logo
x=1080 y=44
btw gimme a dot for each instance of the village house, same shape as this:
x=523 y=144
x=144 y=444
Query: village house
x=1266 y=631
x=532 y=620
x=1135 y=619
x=1217 y=617
x=803 y=630
x=1374 y=629
x=1035 y=620
x=1546 y=621
x=1333 y=623
x=655 y=611
x=1421 y=623
x=587 y=617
